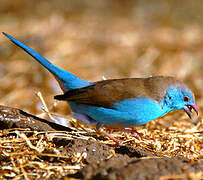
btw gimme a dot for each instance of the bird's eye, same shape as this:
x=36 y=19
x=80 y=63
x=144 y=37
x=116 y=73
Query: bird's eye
x=186 y=99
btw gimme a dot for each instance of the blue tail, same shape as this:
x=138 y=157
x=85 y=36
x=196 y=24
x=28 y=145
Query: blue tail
x=67 y=80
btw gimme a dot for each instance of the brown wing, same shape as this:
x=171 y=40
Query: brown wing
x=104 y=93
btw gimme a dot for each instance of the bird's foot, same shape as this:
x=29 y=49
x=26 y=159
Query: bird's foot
x=100 y=130
x=137 y=135
x=118 y=143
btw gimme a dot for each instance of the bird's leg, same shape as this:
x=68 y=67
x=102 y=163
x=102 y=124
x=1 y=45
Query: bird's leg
x=134 y=133
x=100 y=130
x=137 y=135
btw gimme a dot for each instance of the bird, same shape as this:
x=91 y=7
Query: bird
x=122 y=102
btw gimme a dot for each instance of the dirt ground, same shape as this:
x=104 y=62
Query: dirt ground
x=93 y=158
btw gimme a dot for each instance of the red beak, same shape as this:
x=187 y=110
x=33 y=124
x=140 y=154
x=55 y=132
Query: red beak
x=188 y=109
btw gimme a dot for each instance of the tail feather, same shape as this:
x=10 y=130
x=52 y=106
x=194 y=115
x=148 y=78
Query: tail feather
x=67 y=80
x=60 y=97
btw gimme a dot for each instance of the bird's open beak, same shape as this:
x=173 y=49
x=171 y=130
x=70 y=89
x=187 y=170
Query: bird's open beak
x=188 y=109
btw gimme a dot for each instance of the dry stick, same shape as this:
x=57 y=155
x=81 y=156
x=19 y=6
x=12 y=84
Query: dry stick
x=45 y=108
x=24 y=173
x=31 y=146
x=193 y=176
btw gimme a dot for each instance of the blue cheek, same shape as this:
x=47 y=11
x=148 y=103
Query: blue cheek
x=177 y=98
x=129 y=112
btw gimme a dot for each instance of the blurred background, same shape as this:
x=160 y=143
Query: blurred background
x=111 y=38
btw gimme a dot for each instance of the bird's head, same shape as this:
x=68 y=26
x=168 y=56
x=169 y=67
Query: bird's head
x=172 y=93
x=180 y=97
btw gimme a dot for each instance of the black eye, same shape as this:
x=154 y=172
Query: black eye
x=169 y=97
x=186 y=99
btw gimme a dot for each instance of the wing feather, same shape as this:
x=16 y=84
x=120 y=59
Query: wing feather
x=105 y=93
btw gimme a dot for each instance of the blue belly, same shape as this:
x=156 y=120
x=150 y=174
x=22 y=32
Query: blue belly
x=129 y=112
